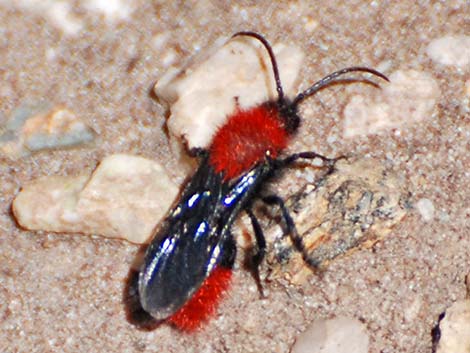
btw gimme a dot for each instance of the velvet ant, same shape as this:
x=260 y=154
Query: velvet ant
x=187 y=265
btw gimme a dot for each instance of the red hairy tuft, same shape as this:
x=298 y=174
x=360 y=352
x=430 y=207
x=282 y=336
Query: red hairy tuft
x=245 y=138
x=204 y=302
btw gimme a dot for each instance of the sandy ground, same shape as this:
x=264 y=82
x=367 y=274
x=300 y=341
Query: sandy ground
x=65 y=293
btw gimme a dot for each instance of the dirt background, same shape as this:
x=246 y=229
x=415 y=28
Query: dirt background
x=65 y=293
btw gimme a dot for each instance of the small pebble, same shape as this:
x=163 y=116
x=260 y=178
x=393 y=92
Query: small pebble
x=340 y=335
x=113 y=10
x=60 y=14
x=30 y=131
x=410 y=97
x=451 y=50
x=426 y=209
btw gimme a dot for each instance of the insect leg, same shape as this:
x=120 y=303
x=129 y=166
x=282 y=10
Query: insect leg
x=330 y=162
x=258 y=256
x=230 y=252
x=299 y=244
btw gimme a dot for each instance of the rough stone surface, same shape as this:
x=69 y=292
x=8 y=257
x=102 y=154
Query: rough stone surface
x=125 y=197
x=340 y=335
x=353 y=207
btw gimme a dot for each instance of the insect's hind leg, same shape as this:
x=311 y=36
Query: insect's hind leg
x=291 y=230
x=230 y=252
x=258 y=256
x=329 y=162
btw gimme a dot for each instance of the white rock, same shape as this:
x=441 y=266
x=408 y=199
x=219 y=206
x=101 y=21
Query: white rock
x=409 y=98
x=113 y=10
x=340 y=335
x=125 y=197
x=204 y=93
x=451 y=50
x=60 y=14
x=455 y=329
x=426 y=209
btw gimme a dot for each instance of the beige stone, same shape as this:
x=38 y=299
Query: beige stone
x=125 y=197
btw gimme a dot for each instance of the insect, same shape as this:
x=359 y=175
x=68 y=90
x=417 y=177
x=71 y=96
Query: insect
x=187 y=265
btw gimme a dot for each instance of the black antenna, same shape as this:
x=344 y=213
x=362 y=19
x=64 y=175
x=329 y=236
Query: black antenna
x=317 y=85
x=330 y=78
x=280 y=92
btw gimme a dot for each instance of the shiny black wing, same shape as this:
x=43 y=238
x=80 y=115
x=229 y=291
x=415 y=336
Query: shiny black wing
x=185 y=248
x=193 y=238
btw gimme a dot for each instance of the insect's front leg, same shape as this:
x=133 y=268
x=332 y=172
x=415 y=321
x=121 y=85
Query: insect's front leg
x=198 y=152
x=291 y=230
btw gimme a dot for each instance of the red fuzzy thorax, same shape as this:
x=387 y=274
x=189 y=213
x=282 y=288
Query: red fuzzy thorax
x=244 y=140
x=204 y=302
